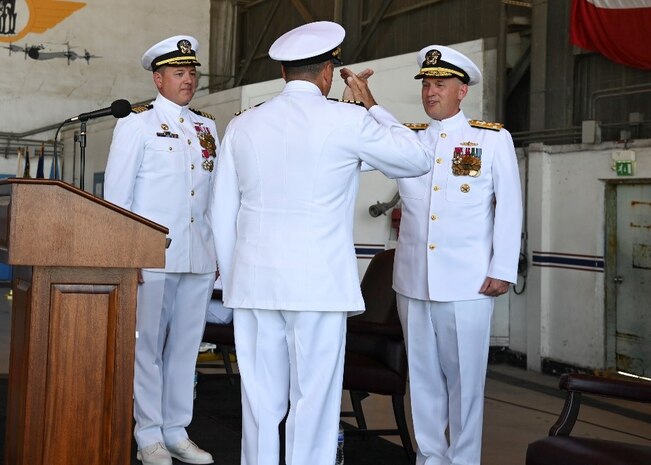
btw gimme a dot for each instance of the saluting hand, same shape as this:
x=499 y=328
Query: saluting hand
x=357 y=86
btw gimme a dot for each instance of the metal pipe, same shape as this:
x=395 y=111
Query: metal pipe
x=615 y=92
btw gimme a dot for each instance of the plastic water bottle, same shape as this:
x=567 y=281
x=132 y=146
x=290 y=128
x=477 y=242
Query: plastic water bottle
x=196 y=378
x=340 y=447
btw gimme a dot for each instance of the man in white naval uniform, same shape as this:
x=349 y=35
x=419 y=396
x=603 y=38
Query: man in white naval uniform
x=161 y=166
x=287 y=178
x=458 y=249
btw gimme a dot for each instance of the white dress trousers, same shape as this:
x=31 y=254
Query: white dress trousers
x=170 y=323
x=447 y=348
x=266 y=339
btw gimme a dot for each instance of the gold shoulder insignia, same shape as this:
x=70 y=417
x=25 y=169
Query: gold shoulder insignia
x=416 y=126
x=141 y=108
x=485 y=125
x=341 y=100
x=202 y=113
x=242 y=111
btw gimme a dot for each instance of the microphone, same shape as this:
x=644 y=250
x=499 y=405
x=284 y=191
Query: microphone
x=120 y=108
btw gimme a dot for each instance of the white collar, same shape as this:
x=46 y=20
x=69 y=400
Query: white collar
x=448 y=124
x=170 y=107
x=302 y=86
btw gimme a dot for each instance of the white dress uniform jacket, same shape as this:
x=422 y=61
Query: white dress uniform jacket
x=458 y=229
x=155 y=170
x=287 y=178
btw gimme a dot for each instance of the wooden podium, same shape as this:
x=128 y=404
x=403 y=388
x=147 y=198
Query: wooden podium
x=75 y=257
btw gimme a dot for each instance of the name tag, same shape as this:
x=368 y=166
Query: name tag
x=167 y=134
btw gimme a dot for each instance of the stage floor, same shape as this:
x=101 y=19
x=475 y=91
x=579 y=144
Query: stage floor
x=520 y=406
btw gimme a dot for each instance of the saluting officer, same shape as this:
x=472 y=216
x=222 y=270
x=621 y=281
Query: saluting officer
x=457 y=250
x=160 y=166
x=285 y=191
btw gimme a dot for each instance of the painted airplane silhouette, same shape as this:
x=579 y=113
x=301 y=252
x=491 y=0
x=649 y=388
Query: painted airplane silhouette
x=35 y=52
x=28 y=50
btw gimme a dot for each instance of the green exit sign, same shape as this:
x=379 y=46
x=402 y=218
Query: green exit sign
x=624 y=168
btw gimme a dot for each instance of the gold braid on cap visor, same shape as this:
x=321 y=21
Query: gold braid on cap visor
x=441 y=72
x=183 y=59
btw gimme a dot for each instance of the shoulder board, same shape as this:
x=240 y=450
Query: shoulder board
x=141 y=108
x=340 y=100
x=417 y=126
x=202 y=113
x=485 y=125
x=242 y=111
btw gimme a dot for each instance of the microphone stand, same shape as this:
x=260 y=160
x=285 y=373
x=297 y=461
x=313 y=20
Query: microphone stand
x=81 y=138
x=55 y=169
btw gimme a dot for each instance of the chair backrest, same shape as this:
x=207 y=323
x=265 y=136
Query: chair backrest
x=377 y=290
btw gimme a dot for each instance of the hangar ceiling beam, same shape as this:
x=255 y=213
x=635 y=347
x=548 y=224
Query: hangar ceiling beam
x=302 y=9
x=405 y=10
x=537 y=102
x=249 y=58
x=370 y=30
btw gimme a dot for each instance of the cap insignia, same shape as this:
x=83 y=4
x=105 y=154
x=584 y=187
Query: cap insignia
x=184 y=46
x=336 y=53
x=432 y=57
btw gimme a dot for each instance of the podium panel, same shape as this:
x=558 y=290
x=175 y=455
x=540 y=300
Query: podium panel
x=71 y=376
x=73 y=325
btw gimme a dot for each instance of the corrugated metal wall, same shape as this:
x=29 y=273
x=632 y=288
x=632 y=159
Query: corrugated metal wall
x=578 y=86
x=406 y=26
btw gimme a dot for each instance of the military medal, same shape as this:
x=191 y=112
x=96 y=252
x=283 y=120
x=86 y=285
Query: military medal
x=466 y=161
x=208 y=146
x=208 y=165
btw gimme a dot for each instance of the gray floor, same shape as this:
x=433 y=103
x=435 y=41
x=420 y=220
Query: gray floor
x=520 y=407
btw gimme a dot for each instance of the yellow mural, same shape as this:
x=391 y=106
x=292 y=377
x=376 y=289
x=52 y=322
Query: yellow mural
x=42 y=15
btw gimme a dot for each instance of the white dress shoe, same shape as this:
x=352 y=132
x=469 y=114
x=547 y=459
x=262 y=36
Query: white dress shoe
x=188 y=452
x=154 y=454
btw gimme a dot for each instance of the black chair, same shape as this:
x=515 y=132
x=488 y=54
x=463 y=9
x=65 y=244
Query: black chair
x=376 y=359
x=559 y=448
x=223 y=336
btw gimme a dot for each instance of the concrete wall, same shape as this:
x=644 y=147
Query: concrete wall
x=37 y=93
x=561 y=315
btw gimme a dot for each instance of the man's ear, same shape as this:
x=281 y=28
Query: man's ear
x=328 y=71
x=158 y=79
x=282 y=72
x=463 y=91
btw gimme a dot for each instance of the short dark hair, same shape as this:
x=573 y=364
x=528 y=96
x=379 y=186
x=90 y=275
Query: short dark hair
x=310 y=71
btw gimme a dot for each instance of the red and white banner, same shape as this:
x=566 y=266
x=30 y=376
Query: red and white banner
x=618 y=29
